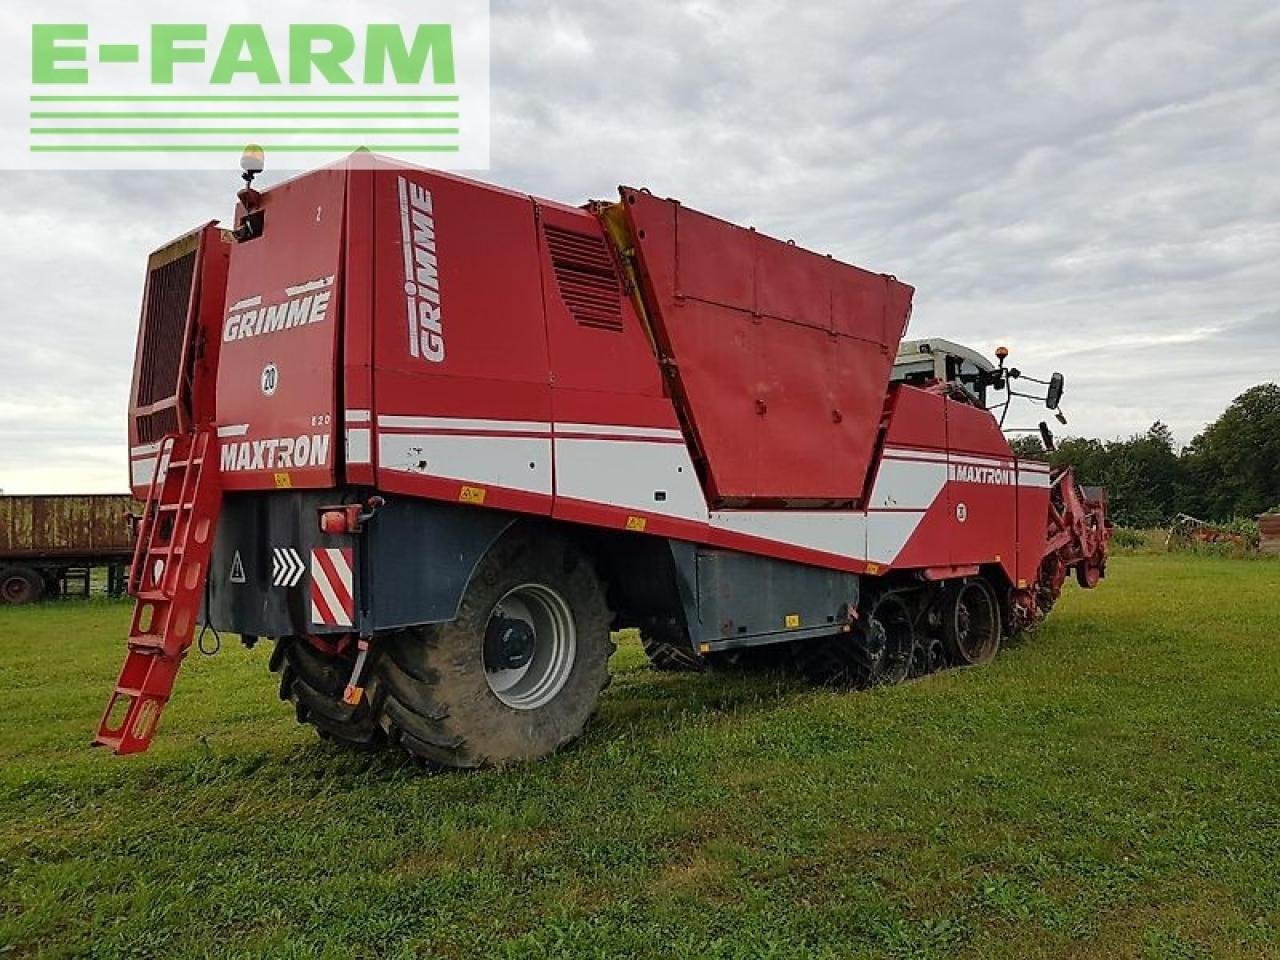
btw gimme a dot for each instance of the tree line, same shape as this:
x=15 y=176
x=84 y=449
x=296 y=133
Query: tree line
x=1231 y=469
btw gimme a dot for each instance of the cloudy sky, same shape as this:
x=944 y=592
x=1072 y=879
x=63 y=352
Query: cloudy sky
x=1096 y=185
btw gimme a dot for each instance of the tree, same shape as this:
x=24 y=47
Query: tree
x=1143 y=475
x=1234 y=464
x=1232 y=469
x=1027 y=445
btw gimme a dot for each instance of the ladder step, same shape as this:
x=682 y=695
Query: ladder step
x=129 y=721
x=164 y=551
x=153 y=656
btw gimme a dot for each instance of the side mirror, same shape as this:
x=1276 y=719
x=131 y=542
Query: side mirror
x=1054 y=396
x=1046 y=438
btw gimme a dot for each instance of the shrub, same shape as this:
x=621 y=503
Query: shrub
x=1127 y=538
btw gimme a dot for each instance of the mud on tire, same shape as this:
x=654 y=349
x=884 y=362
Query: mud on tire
x=433 y=697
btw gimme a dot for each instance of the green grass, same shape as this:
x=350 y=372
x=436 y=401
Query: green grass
x=1108 y=788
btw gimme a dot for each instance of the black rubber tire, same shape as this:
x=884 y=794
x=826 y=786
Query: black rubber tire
x=19 y=585
x=433 y=698
x=314 y=682
x=893 y=614
x=974 y=641
x=666 y=644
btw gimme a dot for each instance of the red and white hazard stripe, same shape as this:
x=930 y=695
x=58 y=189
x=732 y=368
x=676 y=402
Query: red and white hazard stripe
x=332 y=594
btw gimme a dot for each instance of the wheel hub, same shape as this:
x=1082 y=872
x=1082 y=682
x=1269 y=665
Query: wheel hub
x=530 y=645
x=508 y=643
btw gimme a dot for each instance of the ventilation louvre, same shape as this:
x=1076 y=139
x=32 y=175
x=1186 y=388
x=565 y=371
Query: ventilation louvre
x=586 y=277
x=168 y=297
x=155 y=426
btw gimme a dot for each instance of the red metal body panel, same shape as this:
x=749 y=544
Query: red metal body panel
x=1032 y=508
x=284 y=292
x=598 y=349
x=982 y=482
x=917 y=430
x=782 y=356
x=493 y=364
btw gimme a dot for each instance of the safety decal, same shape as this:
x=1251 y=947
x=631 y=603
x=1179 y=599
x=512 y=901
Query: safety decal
x=332 y=593
x=286 y=567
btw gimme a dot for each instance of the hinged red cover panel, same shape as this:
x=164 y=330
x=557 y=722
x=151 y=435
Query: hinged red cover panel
x=277 y=374
x=781 y=355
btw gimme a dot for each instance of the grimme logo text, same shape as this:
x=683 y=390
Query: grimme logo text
x=421 y=272
x=308 y=303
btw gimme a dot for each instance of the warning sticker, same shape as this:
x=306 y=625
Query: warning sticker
x=237 y=568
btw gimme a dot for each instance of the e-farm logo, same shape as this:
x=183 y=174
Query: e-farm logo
x=138 y=85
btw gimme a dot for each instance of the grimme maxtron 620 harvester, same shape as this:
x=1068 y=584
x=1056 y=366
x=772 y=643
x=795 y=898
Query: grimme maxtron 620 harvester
x=436 y=439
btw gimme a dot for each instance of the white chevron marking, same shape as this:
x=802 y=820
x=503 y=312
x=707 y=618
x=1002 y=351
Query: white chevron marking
x=286 y=567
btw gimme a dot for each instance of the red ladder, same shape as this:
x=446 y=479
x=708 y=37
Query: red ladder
x=170 y=564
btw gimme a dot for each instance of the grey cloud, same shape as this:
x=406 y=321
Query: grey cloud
x=1093 y=184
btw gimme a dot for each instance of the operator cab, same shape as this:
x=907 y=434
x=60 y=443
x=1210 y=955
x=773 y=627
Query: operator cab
x=921 y=362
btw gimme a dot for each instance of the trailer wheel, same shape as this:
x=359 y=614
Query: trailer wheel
x=20 y=585
x=971 y=623
x=314 y=683
x=516 y=675
x=666 y=643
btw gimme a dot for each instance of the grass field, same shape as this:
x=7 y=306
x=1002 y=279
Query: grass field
x=1108 y=788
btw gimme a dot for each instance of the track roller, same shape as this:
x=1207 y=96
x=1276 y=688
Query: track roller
x=971 y=629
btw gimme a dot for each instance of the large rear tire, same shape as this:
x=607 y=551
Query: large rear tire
x=516 y=675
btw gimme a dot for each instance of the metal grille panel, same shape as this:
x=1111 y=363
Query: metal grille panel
x=164 y=322
x=154 y=426
x=586 y=277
